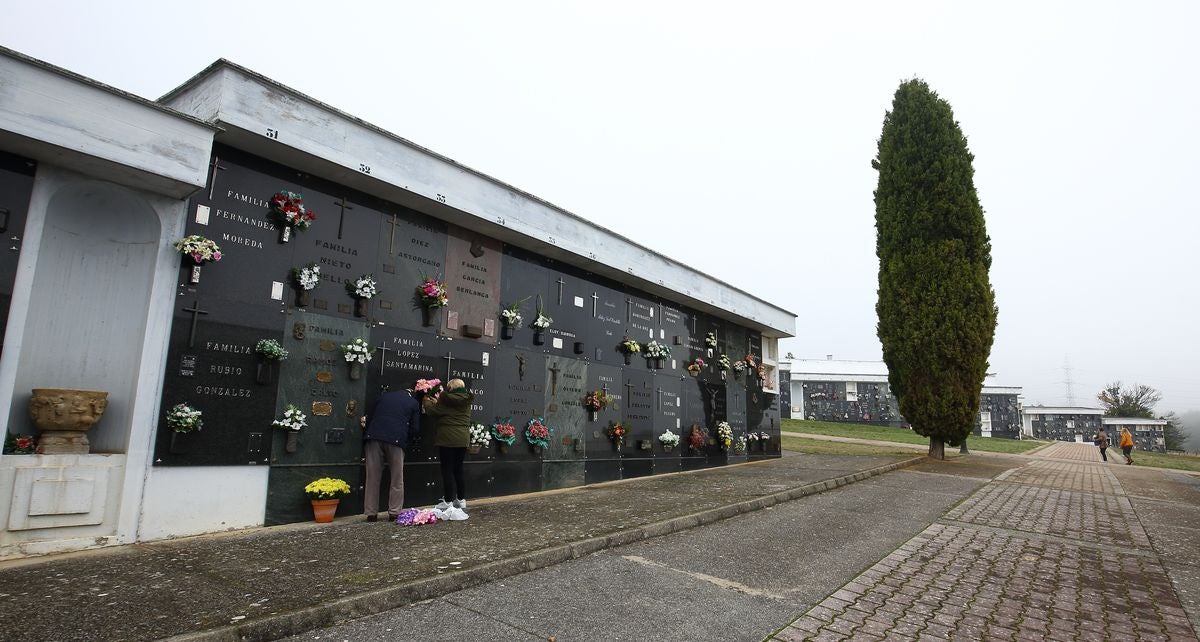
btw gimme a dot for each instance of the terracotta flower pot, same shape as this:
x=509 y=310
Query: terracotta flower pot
x=324 y=509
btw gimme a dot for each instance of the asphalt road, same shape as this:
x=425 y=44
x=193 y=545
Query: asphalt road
x=739 y=579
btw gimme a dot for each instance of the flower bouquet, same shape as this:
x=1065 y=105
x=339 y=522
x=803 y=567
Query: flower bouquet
x=293 y=422
x=325 y=493
x=710 y=340
x=695 y=367
x=724 y=434
x=630 y=348
x=537 y=433
x=271 y=350
x=724 y=363
x=505 y=433
x=362 y=289
x=512 y=317
x=480 y=438
x=20 y=445
x=658 y=352
x=288 y=208
x=433 y=293
x=357 y=352
x=542 y=322
x=307 y=278
x=201 y=250
x=595 y=401
x=668 y=440
x=428 y=388
x=184 y=418
x=697 y=440
x=739 y=444
x=617 y=432
x=416 y=517
x=739 y=367
x=764 y=440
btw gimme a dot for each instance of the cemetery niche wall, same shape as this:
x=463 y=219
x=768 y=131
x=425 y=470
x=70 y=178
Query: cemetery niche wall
x=517 y=371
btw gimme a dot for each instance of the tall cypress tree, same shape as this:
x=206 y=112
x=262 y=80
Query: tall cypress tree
x=937 y=311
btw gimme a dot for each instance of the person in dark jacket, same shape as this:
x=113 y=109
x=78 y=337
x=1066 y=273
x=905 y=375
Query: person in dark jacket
x=452 y=411
x=395 y=416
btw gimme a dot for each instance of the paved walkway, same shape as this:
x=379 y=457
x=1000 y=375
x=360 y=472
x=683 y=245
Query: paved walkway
x=1054 y=550
x=268 y=583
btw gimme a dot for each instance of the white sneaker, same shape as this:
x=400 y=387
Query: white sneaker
x=460 y=503
x=442 y=505
x=455 y=514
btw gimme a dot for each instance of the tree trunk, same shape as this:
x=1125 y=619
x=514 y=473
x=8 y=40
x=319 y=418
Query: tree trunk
x=937 y=448
x=962 y=450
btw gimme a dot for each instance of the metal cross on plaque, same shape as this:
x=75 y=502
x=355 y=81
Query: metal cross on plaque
x=212 y=181
x=595 y=301
x=554 y=370
x=449 y=360
x=196 y=312
x=342 y=218
x=628 y=310
x=561 y=283
x=383 y=349
x=392 y=234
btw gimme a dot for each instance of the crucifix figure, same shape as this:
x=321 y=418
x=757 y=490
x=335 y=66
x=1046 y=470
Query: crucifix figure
x=595 y=300
x=383 y=350
x=342 y=218
x=554 y=378
x=521 y=367
x=391 y=235
x=212 y=181
x=196 y=312
x=561 y=283
x=449 y=359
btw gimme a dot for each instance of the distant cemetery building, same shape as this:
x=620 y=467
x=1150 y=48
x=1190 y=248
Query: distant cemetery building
x=1148 y=434
x=98 y=188
x=1061 y=423
x=858 y=392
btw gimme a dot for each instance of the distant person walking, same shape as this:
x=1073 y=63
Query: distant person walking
x=452 y=411
x=394 y=418
x=1126 y=444
x=1102 y=442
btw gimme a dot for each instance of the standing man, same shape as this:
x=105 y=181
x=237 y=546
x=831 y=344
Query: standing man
x=1127 y=444
x=396 y=415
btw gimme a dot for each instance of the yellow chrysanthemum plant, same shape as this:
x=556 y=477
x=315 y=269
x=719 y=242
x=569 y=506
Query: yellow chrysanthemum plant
x=327 y=488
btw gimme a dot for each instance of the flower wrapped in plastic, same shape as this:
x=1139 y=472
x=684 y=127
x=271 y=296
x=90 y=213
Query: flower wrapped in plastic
x=358 y=351
x=433 y=293
x=537 y=433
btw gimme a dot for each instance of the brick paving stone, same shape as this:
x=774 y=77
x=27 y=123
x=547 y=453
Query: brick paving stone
x=1039 y=553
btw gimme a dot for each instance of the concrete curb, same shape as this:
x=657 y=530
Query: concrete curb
x=356 y=606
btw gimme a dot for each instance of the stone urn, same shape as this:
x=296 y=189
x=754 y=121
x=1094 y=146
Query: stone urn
x=63 y=417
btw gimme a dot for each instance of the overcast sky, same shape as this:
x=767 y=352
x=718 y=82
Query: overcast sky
x=737 y=138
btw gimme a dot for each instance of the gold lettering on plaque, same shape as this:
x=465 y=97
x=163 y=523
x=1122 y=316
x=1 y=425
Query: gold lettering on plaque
x=328 y=346
x=325 y=377
x=322 y=408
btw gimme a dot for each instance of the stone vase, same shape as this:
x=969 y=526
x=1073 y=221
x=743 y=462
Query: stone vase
x=292 y=442
x=429 y=316
x=362 y=307
x=667 y=448
x=303 y=298
x=63 y=416
x=324 y=510
x=355 y=371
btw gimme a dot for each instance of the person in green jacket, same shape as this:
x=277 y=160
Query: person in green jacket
x=452 y=412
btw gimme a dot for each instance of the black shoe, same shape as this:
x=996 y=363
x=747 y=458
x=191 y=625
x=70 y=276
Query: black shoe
x=372 y=517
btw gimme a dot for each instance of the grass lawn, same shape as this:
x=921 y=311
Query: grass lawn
x=821 y=447
x=883 y=433
x=1160 y=460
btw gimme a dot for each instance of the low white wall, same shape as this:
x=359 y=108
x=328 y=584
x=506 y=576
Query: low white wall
x=209 y=499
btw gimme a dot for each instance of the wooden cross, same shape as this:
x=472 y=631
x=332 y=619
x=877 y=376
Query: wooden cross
x=561 y=283
x=554 y=369
x=196 y=312
x=595 y=300
x=342 y=218
x=212 y=181
x=383 y=349
x=391 y=235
